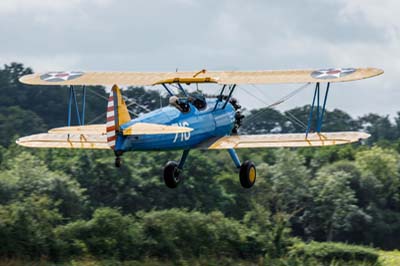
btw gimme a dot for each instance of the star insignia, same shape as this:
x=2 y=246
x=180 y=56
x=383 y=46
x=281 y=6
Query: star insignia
x=332 y=73
x=60 y=76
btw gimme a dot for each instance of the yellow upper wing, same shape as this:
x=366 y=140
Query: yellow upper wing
x=219 y=77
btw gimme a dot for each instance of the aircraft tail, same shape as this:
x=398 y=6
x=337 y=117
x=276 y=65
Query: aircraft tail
x=117 y=114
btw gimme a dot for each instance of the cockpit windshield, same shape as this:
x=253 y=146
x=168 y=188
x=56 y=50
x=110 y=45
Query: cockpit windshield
x=182 y=103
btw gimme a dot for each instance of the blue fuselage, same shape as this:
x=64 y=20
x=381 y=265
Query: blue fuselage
x=206 y=124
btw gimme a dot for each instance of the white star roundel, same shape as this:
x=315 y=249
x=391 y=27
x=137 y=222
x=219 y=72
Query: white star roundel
x=332 y=73
x=60 y=76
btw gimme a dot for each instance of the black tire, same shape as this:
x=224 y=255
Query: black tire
x=172 y=176
x=247 y=174
x=118 y=162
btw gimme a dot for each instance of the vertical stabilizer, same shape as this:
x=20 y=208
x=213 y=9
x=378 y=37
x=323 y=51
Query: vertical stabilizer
x=117 y=114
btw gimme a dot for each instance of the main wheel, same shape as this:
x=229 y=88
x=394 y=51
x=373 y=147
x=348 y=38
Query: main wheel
x=172 y=176
x=247 y=174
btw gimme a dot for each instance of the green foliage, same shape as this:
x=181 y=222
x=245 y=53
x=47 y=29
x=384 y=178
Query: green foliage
x=170 y=234
x=333 y=205
x=14 y=121
x=389 y=258
x=380 y=168
x=26 y=227
x=74 y=206
x=108 y=234
x=26 y=176
x=289 y=179
x=339 y=253
x=178 y=234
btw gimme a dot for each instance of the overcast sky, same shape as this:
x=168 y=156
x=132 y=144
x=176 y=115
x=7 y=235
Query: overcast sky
x=128 y=35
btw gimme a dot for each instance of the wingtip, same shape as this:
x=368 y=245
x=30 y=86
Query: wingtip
x=20 y=142
x=365 y=135
x=25 y=79
x=380 y=71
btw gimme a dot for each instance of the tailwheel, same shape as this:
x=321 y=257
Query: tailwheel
x=118 y=162
x=247 y=174
x=172 y=174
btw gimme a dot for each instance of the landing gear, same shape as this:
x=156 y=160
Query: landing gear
x=173 y=171
x=118 y=160
x=247 y=174
x=172 y=174
x=247 y=170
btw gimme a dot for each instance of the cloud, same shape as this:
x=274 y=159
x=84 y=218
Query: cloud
x=36 y=6
x=134 y=35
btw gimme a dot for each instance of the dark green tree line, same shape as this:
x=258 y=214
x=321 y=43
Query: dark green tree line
x=63 y=204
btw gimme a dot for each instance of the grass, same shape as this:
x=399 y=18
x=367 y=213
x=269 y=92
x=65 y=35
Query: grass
x=389 y=258
x=386 y=258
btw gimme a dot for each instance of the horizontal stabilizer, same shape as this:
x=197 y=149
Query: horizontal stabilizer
x=136 y=129
x=153 y=129
x=91 y=136
x=62 y=140
x=286 y=140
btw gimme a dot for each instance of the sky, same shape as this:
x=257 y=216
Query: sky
x=165 y=35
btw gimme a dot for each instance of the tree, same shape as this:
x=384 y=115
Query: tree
x=290 y=181
x=26 y=227
x=333 y=207
x=381 y=187
x=379 y=127
x=380 y=171
x=16 y=121
x=27 y=176
x=108 y=234
x=263 y=121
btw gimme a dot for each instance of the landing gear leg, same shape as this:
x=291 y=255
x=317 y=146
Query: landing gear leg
x=173 y=171
x=118 y=160
x=247 y=170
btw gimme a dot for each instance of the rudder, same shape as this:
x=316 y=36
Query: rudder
x=117 y=115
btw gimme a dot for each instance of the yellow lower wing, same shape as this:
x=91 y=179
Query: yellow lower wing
x=285 y=140
x=62 y=140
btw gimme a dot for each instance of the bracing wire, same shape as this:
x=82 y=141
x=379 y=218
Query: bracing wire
x=96 y=93
x=132 y=102
x=288 y=114
x=97 y=118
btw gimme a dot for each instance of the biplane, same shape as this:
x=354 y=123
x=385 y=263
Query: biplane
x=191 y=120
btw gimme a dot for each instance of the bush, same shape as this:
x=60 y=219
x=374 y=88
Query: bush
x=108 y=234
x=182 y=234
x=172 y=234
x=329 y=252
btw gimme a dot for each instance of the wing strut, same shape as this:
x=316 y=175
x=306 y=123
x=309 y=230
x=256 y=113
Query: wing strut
x=219 y=98
x=167 y=89
x=231 y=89
x=73 y=101
x=320 y=111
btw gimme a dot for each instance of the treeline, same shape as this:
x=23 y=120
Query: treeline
x=64 y=204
